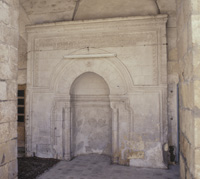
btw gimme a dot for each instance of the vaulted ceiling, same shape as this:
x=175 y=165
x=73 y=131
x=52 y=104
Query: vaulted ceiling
x=40 y=11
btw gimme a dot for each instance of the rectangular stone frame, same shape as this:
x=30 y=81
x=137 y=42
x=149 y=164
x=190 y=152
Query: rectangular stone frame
x=50 y=37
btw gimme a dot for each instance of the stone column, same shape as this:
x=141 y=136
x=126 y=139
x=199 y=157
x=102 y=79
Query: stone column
x=67 y=133
x=189 y=92
x=8 y=88
x=115 y=138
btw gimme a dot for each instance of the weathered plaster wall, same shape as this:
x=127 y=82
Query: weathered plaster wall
x=41 y=11
x=8 y=88
x=188 y=23
x=91 y=123
x=130 y=55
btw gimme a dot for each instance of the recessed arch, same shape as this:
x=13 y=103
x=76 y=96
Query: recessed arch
x=89 y=83
x=91 y=121
x=111 y=69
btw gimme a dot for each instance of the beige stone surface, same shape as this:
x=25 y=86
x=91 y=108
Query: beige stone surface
x=8 y=76
x=187 y=93
x=48 y=10
x=188 y=42
x=197 y=131
x=197 y=163
x=172 y=112
x=182 y=167
x=120 y=107
x=197 y=95
x=32 y=12
x=187 y=128
x=3 y=92
x=90 y=9
x=8 y=111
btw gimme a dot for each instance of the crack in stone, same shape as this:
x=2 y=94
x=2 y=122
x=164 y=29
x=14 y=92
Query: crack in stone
x=75 y=9
x=156 y=2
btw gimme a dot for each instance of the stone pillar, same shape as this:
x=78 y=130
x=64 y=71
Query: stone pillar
x=67 y=133
x=188 y=23
x=115 y=138
x=8 y=88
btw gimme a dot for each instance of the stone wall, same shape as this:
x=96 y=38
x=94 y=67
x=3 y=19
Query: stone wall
x=188 y=23
x=22 y=64
x=130 y=55
x=8 y=88
x=169 y=7
x=157 y=7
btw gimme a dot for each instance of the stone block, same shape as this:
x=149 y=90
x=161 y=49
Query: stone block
x=195 y=29
x=172 y=46
x=167 y=7
x=4 y=156
x=12 y=89
x=8 y=152
x=186 y=10
x=4 y=53
x=187 y=95
x=186 y=124
x=10 y=36
x=12 y=150
x=136 y=155
x=189 y=175
x=22 y=62
x=22 y=76
x=197 y=132
x=3 y=90
x=13 y=130
x=195 y=6
x=173 y=67
x=8 y=111
x=182 y=167
x=4 y=132
x=4 y=172
x=8 y=71
x=171 y=21
x=197 y=163
x=187 y=67
x=12 y=169
x=10 y=2
x=4 y=13
x=103 y=9
x=187 y=151
x=13 y=14
x=180 y=21
x=182 y=43
x=196 y=62
x=197 y=96
x=13 y=56
x=172 y=54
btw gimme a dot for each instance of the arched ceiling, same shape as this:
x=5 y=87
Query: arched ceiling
x=40 y=11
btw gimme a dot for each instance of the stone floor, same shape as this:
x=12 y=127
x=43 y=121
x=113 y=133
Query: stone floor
x=98 y=167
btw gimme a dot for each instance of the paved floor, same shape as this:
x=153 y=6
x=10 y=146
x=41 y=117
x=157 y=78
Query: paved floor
x=98 y=167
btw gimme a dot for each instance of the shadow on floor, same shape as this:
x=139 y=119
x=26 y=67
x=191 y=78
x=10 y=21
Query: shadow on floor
x=91 y=166
x=31 y=167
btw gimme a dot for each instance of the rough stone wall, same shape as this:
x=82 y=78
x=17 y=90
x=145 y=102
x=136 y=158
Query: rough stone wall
x=22 y=64
x=8 y=88
x=169 y=7
x=188 y=23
